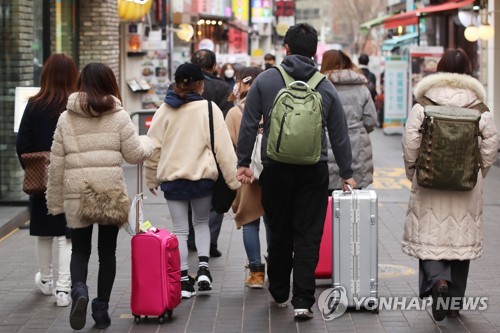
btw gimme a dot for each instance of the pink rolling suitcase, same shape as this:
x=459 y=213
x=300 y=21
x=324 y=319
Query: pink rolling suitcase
x=156 y=271
x=324 y=267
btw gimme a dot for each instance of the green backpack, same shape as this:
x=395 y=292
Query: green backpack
x=296 y=122
x=449 y=156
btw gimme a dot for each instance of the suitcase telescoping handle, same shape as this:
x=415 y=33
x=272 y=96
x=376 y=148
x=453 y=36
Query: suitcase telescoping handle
x=140 y=196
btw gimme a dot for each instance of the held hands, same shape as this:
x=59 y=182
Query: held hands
x=351 y=182
x=245 y=175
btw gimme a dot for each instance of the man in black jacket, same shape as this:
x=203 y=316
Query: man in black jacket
x=294 y=197
x=217 y=91
x=372 y=79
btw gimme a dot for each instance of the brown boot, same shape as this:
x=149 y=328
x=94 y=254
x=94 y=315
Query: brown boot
x=256 y=277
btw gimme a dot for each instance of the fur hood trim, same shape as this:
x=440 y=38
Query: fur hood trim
x=450 y=80
x=347 y=76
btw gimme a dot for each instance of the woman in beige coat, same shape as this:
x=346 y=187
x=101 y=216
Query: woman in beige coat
x=183 y=166
x=247 y=205
x=91 y=140
x=443 y=229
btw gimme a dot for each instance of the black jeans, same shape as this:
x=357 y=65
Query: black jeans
x=106 y=247
x=295 y=199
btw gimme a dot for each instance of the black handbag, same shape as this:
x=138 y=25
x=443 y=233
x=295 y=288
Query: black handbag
x=222 y=196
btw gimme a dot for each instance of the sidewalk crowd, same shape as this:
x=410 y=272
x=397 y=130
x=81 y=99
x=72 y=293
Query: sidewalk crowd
x=192 y=143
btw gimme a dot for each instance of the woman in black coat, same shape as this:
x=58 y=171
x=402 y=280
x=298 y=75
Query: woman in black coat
x=36 y=131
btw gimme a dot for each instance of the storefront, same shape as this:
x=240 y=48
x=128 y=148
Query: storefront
x=30 y=32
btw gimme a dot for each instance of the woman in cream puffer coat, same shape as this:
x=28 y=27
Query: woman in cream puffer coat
x=183 y=166
x=444 y=229
x=92 y=139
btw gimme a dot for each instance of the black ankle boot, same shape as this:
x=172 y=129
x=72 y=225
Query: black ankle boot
x=80 y=299
x=100 y=313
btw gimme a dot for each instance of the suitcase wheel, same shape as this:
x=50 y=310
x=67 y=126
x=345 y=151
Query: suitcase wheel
x=166 y=315
x=137 y=319
x=373 y=310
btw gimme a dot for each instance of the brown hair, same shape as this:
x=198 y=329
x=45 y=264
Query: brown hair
x=58 y=81
x=336 y=60
x=98 y=81
x=243 y=73
x=182 y=89
x=455 y=61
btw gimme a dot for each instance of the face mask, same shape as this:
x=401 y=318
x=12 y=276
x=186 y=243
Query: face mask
x=229 y=73
x=236 y=89
x=268 y=65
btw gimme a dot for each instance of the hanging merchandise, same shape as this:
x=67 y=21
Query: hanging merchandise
x=133 y=10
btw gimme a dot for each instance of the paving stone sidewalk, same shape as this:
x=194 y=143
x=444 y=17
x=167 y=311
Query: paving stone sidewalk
x=233 y=308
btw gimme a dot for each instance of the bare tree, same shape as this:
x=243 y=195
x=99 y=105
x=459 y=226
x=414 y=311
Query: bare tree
x=349 y=14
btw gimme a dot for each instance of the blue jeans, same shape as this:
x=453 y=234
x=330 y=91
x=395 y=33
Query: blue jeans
x=251 y=240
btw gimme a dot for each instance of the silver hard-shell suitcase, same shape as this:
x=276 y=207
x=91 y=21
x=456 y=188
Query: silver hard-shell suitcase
x=355 y=246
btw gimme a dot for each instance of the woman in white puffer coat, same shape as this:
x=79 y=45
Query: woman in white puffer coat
x=444 y=229
x=93 y=138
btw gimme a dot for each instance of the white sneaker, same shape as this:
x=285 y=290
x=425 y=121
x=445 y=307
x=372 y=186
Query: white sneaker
x=45 y=287
x=62 y=298
x=281 y=305
x=303 y=313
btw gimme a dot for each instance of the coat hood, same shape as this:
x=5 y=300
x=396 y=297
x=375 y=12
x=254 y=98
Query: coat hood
x=299 y=67
x=74 y=105
x=347 y=76
x=451 y=89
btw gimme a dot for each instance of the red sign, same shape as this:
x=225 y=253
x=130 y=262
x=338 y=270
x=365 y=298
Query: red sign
x=238 y=41
x=148 y=121
x=284 y=8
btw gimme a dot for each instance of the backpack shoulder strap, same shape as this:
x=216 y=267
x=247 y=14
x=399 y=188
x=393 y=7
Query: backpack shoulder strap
x=315 y=80
x=481 y=107
x=286 y=77
x=425 y=101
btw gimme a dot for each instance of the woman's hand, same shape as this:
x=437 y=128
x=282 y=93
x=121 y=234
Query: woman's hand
x=153 y=191
x=245 y=175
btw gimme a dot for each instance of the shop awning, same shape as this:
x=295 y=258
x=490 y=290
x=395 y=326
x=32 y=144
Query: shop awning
x=412 y=17
x=373 y=23
x=398 y=41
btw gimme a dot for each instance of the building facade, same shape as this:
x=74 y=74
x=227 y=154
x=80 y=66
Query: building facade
x=30 y=31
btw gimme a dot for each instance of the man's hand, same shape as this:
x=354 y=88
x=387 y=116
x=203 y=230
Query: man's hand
x=244 y=175
x=153 y=191
x=351 y=182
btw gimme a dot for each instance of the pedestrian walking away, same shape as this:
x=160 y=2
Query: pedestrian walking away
x=360 y=115
x=363 y=61
x=183 y=166
x=247 y=205
x=217 y=91
x=295 y=196
x=91 y=140
x=36 y=131
x=444 y=228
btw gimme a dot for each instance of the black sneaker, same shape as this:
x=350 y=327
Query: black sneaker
x=187 y=288
x=204 y=279
x=214 y=252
